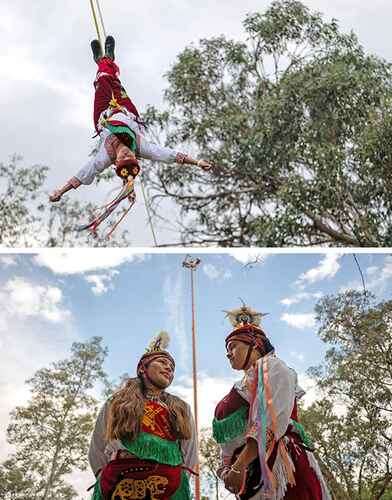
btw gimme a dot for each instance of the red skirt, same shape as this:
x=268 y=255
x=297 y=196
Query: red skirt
x=307 y=485
x=131 y=478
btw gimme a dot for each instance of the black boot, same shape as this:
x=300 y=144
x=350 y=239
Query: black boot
x=109 y=47
x=97 y=50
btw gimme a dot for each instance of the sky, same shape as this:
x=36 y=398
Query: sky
x=46 y=70
x=55 y=297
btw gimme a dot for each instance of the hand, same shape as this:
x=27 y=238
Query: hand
x=233 y=481
x=205 y=165
x=222 y=471
x=55 y=196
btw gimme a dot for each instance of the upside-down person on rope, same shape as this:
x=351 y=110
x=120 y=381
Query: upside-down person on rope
x=144 y=444
x=266 y=454
x=120 y=128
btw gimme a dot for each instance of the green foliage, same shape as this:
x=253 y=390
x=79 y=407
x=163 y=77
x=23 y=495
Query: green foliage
x=51 y=433
x=352 y=424
x=27 y=219
x=20 y=188
x=210 y=460
x=298 y=121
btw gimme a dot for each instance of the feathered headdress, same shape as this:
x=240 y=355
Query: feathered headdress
x=247 y=329
x=244 y=316
x=156 y=349
x=158 y=343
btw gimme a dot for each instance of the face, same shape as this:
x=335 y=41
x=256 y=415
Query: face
x=161 y=372
x=236 y=354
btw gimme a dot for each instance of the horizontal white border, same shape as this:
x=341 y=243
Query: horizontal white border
x=201 y=250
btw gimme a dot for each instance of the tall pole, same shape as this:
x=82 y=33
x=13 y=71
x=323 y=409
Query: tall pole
x=192 y=264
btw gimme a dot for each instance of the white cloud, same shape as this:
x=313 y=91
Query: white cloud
x=300 y=321
x=82 y=260
x=213 y=273
x=22 y=298
x=101 y=282
x=371 y=270
x=210 y=391
x=173 y=295
x=379 y=278
x=35 y=331
x=8 y=260
x=308 y=384
x=313 y=394
x=81 y=481
x=249 y=255
x=327 y=268
x=299 y=297
x=351 y=285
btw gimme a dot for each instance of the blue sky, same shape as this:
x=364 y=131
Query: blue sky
x=126 y=298
x=55 y=297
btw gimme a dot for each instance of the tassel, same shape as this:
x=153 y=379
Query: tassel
x=287 y=462
x=230 y=427
x=268 y=397
x=149 y=447
x=305 y=438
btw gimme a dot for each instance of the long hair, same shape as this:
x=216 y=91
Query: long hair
x=127 y=408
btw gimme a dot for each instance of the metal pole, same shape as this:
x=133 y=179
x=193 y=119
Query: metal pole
x=192 y=264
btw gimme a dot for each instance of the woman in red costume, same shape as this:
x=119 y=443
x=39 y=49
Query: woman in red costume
x=266 y=453
x=120 y=128
x=143 y=445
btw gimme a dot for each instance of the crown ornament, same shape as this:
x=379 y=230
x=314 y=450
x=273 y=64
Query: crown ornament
x=244 y=316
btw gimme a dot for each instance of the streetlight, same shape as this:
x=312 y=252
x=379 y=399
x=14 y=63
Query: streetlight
x=191 y=264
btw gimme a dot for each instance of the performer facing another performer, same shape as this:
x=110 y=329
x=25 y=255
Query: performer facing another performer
x=266 y=453
x=120 y=128
x=144 y=438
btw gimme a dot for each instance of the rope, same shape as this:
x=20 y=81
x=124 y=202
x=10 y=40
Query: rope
x=96 y=23
x=148 y=213
x=101 y=18
x=361 y=273
x=108 y=236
